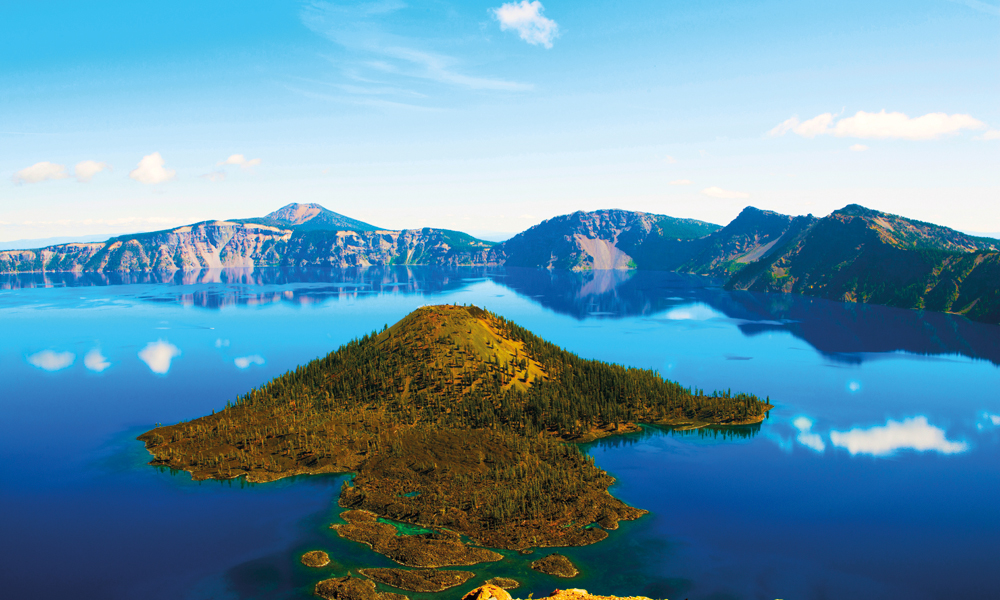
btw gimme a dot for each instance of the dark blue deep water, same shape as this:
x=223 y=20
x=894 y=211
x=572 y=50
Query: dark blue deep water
x=877 y=475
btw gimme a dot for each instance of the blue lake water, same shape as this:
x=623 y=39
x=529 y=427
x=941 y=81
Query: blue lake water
x=876 y=475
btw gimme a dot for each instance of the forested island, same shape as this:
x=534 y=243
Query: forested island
x=453 y=419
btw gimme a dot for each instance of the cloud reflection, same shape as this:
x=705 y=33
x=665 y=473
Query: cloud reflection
x=157 y=355
x=51 y=361
x=95 y=361
x=806 y=437
x=244 y=362
x=910 y=434
x=987 y=420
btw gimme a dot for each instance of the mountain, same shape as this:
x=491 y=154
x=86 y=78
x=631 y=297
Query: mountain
x=310 y=217
x=603 y=239
x=453 y=417
x=296 y=235
x=854 y=254
x=42 y=242
x=860 y=255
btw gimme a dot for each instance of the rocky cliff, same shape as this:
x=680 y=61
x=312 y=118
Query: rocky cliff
x=223 y=244
x=855 y=254
x=860 y=255
x=603 y=239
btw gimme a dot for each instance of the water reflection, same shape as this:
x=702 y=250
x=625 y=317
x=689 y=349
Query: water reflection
x=712 y=432
x=158 y=355
x=96 y=361
x=50 y=360
x=910 y=434
x=806 y=436
x=843 y=332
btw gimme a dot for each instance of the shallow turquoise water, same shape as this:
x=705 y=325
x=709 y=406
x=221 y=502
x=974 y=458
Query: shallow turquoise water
x=874 y=477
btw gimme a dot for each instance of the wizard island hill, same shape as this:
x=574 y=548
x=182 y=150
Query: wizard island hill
x=455 y=419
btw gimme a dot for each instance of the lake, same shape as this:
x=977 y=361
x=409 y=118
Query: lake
x=875 y=476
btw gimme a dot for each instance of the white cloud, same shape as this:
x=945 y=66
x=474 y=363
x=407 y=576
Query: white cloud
x=992 y=134
x=858 y=148
x=214 y=176
x=95 y=361
x=910 y=434
x=150 y=170
x=40 y=172
x=717 y=192
x=52 y=361
x=157 y=355
x=526 y=18
x=681 y=182
x=880 y=125
x=360 y=30
x=221 y=343
x=245 y=361
x=86 y=169
x=670 y=160
x=239 y=159
x=806 y=437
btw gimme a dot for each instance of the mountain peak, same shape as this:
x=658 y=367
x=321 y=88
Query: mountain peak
x=314 y=217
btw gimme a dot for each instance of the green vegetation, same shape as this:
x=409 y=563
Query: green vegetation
x=453 y=418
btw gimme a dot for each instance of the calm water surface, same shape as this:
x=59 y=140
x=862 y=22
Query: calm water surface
x=874 y=477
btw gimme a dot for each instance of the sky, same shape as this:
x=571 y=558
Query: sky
x=491 y=116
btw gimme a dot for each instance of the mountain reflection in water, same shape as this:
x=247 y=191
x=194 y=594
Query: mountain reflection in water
x=843 y=332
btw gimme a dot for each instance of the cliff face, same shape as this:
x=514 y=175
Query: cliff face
x=855 y=254
x=860 y=255
x=220 y=244
x=603 y=239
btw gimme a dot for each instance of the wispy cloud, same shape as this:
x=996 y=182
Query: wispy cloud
x=214 y=176
x=880 y=125
x=858 y=148
x=362 y=30
x=681 y=182
x=717 y=192
x=150 y=170
x=49 y=360
x=910 y=434
x=239 y=160
x=86 y=169
x=158 y=355
x=992 y=134
x=982 y=7
x=38 y=172
x=526 y=19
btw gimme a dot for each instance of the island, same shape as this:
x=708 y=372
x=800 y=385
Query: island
x=455 y=420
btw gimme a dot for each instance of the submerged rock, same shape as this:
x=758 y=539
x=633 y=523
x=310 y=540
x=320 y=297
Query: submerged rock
x=556 y=565
x=419 y=580
x=316 y=558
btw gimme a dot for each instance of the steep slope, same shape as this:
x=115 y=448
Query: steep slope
x=220 y=244
x=860 y=255
x=310 y=217
x=603 y=239
x=451 y=418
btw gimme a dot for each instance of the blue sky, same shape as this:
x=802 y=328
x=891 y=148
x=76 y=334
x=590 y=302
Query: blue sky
x=490 y=116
